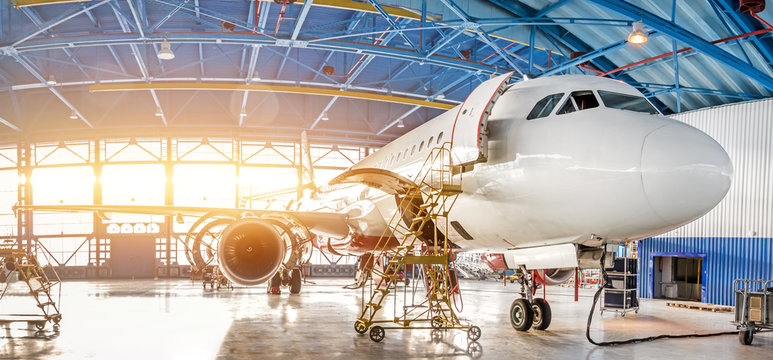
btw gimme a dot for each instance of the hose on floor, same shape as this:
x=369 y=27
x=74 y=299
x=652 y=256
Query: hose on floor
x=604 y=281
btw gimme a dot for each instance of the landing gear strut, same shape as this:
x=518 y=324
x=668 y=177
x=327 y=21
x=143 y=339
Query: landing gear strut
x=527 y=311
x=292 y=278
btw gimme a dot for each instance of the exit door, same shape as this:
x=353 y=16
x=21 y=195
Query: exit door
x=132 y=257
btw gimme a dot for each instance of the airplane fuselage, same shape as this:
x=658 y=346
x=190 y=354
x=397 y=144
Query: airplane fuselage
x=594 y=163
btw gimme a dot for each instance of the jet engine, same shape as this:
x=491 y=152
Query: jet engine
x=250 y=251
x=557 y=276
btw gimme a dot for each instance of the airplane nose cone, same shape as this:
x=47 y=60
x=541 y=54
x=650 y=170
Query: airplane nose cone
x=685 y=173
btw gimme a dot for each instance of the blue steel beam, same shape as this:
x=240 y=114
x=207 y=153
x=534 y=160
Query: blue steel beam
x=121 y=15
x=587 y=57
x=67 y=15
x=482 y=34
x=351 y=79
x=349 y=28
x=722 y=18
x=167 y=16
x=393 y=24
x=551 y=8
x=38 y=21
x=109 y=48
x=54 y=91
x=307 y=67
x=566 y=38
x=250 y=18
x=249 y=39
x=212 y=16
x=665 y=89
x=137 y=18
x=678 y=33
x=745 y=24
x=301 y=18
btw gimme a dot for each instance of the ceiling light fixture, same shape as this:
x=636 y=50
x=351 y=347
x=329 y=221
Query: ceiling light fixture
x=159 y=112
x=637 y=36
x=324 y=116
x=400 y=124
x=73 y=115
x=243 y=113
x=51 y=80
x=166 y=50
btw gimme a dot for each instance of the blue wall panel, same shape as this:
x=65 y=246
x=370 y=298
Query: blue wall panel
x=724 y=260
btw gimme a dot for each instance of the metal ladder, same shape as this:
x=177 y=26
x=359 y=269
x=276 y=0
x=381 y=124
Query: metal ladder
x=429 y=198
x=38 y=281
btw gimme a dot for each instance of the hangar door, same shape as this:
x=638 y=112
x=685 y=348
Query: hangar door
x=133 y=256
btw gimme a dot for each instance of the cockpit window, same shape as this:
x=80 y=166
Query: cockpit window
x=626 y=102
x=579 y=100
x=545 y=106
x=585 y=99
x=568 y=107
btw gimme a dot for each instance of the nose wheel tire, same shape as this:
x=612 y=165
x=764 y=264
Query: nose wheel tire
x=542 y=314
x=521 y=315
x=377 y=333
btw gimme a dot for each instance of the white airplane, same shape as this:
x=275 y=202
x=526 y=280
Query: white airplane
x=555 y=168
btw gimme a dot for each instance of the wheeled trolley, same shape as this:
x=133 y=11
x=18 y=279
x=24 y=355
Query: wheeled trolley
x=753 y=307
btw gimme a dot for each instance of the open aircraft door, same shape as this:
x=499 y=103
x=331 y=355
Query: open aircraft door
x=469 y=138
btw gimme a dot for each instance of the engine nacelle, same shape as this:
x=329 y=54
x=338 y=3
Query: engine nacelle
x=557 y=276
x=250 y=251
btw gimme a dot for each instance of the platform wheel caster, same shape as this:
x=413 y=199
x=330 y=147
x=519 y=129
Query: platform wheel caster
x=377 y=333
x=40 y=326
x=56 y=327
x=437 y=322
x=746 y=337
x=473 y=333
x=360 y=327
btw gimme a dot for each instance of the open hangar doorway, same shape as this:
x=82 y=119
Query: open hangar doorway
x=678 y=276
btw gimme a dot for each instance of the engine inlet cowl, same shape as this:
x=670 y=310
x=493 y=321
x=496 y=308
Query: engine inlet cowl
x=250 y=251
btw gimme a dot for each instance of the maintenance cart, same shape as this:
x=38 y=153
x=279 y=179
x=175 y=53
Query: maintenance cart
x=753 y=307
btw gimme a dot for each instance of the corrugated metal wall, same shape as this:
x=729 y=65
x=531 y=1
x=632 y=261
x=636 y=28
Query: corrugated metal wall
x=724 y=259
x=736 y=238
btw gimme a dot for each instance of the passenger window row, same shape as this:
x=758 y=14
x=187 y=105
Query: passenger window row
x=586 y=99
x=402 y=155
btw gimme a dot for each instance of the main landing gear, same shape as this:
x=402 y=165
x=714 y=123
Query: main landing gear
x=292 y=278
x=527 y=311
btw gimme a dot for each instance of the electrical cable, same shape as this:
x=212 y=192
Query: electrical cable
x=604 y=281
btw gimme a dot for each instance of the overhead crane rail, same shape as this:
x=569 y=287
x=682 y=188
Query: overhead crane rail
x=427 y=304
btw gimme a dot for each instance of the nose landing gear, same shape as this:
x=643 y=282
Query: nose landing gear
x=527 y=311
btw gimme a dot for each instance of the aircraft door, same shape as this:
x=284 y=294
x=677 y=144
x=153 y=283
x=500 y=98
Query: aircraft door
x=469 y=138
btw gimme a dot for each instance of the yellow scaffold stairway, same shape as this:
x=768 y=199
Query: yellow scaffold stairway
x=41 y=280
x=427 y=304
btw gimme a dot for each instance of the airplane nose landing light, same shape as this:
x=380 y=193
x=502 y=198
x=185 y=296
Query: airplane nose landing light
x=685 y=173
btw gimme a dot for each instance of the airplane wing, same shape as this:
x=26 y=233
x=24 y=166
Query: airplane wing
x=322 y=223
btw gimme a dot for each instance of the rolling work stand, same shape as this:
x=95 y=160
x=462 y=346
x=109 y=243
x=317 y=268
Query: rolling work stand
x=428 y=303
x=753 y=307
x=620 y=293
x=18 y=265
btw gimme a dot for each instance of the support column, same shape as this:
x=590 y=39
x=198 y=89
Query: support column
x=99 y=227
x=24 y=195
x=168 y=200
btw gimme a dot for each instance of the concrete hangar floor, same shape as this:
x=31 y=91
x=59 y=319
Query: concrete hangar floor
x=176 y=319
